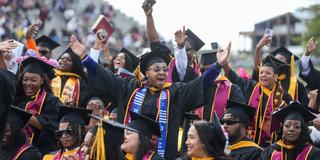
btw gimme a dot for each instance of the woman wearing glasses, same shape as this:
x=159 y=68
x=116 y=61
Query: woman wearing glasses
x=71 y=133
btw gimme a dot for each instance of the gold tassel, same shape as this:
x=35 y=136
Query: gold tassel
x=293 y=80
x=98 y=148
x=138 y=75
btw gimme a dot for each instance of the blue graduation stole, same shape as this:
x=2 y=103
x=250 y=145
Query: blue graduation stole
x=162 y=116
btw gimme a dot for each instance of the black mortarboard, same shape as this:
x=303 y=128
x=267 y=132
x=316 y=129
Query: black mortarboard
x=155 y=56
x=134 y=58
x=221 y=138
x=194 y=40
x=278 y=66
x=144 y=124
x=35 y=65
x=294 y=111
x=47 y=42
x=18 y=117
x=208 y=57
x=71 y=114
x=285 y=52
x=190 y=116
x=244 y=112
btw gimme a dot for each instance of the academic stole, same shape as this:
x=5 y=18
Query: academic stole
x=243 y=144
x=206 y=158
x=172 y=64
x=163 y=103
x=147 y=156
x=262 y=117
x=221 y=97
x=34 y=107
x=21 y=150
x=280 y=155
x=59 y=155
x=73 y=82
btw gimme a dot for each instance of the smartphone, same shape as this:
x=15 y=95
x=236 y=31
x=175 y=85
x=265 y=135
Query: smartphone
x=214 y=46
x=268 y=33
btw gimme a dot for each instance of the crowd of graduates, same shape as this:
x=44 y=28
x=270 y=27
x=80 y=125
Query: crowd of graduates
x=163 y=104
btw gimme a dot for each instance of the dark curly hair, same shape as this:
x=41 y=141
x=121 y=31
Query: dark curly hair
x=77 y=67
x=128 y=63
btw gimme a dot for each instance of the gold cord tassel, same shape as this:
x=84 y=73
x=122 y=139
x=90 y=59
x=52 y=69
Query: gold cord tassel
x=98 y=147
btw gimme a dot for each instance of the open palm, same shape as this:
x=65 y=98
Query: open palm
x=222 y=55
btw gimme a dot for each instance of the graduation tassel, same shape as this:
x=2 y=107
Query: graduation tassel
x=293 y=80
x=138 y=75
x=98 y=148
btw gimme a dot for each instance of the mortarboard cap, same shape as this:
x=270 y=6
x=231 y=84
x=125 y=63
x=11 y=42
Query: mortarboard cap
x=155 y=56
x=208 y=57
x=35 y=65
x=294 y=111
x=244 y=112
x=285 y=52
x=144 y=124
x=194 y=40
x=134 y=58
x=18 y=117
x=71 y=114
x=218 y=130
x=278 y=66
x=47 y=42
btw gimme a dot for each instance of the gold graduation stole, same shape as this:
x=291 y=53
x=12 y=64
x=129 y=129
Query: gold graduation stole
x=72 y=85
x=206 y=158
x=243 y=144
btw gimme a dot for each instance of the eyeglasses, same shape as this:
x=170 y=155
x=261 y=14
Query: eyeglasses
x=229 y=122
x=44 y=52
x=59 y=133
x=158 y=68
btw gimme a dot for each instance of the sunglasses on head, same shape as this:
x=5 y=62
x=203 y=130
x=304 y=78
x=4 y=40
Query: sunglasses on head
x=158 y=68
x=229 y=122
x=59 y=133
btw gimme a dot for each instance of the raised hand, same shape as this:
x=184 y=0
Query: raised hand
x=180 y=37
x=8 y=45
x=222 y=55
x=32 y=30
x=77 y=47
x=265 y=40
x=147 y=6
x=311 y=46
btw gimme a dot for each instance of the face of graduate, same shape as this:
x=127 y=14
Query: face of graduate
x=157 y=74
x=291 y=131
x=6 y=135
x=44 y=51
x=281 y=58
x=67 y=140
x=119 y=61
x=268 y=78
x=190 y=51
x=97 y=109
x=195 y=147
x=65 y=63
x=131 y=142
x=232 y=127
x=31 y=83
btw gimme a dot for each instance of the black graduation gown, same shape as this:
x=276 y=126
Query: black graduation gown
x=246 y=153
x=312 y=80
x=189 y=76
x=6 y=97
x=84 y=91
x=209 y=94
x=31 y=153
x=120 y=90
x=45 y=140
x=267 y=153
x=302 y=93
x=247 y=86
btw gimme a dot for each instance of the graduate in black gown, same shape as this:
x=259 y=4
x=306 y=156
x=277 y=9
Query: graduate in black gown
x=69 y=83
x=138 y=145
x=34 y=96
x=15 y=145
x=154 y=97
x=236 y=120
x=219 y=90
x=289 y=81
x=193 y=44
x=265 y=95
x=295 y=143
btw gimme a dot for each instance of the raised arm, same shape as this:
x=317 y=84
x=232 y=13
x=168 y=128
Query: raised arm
x=257 y=56
x=151 y=29
x=180 y=53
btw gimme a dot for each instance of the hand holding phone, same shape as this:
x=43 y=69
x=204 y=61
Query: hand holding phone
x=268 y=33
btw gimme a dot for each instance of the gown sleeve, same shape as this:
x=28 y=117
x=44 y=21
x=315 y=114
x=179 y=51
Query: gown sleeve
x=31 y=153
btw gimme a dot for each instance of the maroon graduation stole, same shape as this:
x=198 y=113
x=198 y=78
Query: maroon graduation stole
x=34 y=107
x=263 y=117
x=21 y=150
x=72 y=83
x=280 y=155
x=171 y=65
